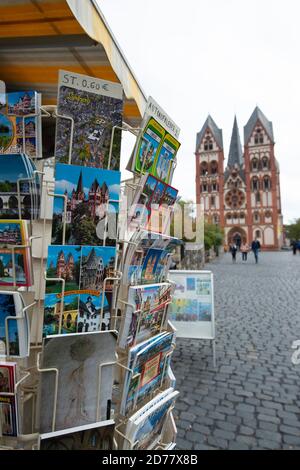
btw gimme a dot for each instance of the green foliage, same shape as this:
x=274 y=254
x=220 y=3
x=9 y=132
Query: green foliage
x=293 y=230
x=213 y=236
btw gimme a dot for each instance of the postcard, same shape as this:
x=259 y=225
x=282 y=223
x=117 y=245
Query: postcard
x=14 y=334
x=22 y=111
x=148 y=257
x=165 y=160
x=79 y=313
x=8 y=416
x=13 y=232
x=97 y=263
x=18 y=169
x=77 y=358
x=92 y=205
x=90 y=437
x=63 y=262
x=146 y=313
x=149 y=362
x=152 y=205
x=147 y=430
x=96 y=107
x=7 y=377
x=147 y=147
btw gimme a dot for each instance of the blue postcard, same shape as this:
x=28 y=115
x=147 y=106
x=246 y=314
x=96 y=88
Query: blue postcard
x=92 y=205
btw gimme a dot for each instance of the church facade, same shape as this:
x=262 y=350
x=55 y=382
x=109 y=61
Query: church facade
x=244 y=197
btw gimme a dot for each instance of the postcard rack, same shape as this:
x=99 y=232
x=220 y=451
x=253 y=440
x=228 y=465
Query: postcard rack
x=30 y=369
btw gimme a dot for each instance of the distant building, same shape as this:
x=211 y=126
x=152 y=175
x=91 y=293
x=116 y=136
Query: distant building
x=65 y=267
x=245 y=198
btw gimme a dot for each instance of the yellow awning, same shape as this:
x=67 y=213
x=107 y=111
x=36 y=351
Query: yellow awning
x=39 y=37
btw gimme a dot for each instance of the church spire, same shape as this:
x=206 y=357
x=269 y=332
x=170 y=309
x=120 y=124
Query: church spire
x=79 y=188
x=235 y=151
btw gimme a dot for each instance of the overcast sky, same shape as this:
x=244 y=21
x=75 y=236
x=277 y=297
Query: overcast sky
x=220 y=57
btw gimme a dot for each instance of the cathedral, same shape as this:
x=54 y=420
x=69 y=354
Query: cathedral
x=244 y=199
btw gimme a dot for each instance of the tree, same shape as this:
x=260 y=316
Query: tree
x=213 y=236
x=293 y=230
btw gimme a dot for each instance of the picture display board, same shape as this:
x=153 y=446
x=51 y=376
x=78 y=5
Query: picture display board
x=192 y=307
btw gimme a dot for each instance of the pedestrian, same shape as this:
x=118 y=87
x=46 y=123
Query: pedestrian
x=244 y=250
x=294 y=245
x=255 y=247
x=233 y=250
x=298 y=246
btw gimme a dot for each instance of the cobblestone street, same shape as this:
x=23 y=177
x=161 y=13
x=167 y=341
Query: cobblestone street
x=252 y=399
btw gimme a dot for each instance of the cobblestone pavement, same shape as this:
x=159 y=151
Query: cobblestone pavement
x=252 y=399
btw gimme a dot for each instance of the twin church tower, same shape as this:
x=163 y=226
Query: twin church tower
x=245 y=198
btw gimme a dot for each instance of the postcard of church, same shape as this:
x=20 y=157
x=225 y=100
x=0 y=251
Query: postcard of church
x=88 y=205
x=148 y=314
x=95 y=107
x=77 y=358
x=63 y=262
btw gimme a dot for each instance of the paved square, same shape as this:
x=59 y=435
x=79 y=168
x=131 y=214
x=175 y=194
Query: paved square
x=252 y=399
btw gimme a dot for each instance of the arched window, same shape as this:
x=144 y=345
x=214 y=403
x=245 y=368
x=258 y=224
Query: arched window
x=254 y=184
x=254 y=164
x=229 y=217
x=256 y=217
x=214 y=168
x=267 y=183
x=204 y=187
x=204 y=169
x=258 y=136
x=242 y=216
x=257 y=234
x=257 y=197
x=214 y=186
x=213 y=201
x=208 y=143
x=265 y=163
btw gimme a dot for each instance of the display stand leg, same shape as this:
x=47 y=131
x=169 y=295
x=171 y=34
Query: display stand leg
x=213 y=344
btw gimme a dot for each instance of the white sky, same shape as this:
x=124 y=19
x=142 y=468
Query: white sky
x=220 y=57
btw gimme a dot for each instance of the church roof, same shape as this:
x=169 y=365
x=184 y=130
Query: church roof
x=258 y=115
x=92 y=260
x=235 y=151
x=216 y=132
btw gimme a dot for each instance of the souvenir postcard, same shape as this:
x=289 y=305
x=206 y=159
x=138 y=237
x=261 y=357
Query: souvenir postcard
x=149 y=363
x=79 y=313
x=22 y=110
x=145 y=428
x=14 y=168
x=151 y=207
x=15 y=268
x=8 y=416
x=97 y=263
x=79 y=393
x=147 y=147
x=14 y=334
x=95 y=106
x=166 y=157
x=146 y=313
x=91 y=208
x=147 y=262
x=7 y=377
x=83 y=307
x=63 y=262
x=13 y=232
x=90 y=437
